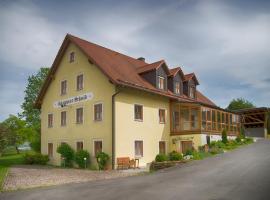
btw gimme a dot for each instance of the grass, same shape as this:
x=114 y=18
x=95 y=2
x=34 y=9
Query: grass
x=9 y=158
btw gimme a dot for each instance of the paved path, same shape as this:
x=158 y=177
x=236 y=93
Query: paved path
x=241 y=174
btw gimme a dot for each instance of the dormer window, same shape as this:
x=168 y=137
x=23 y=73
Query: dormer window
x=71 y=57
x=161 y=82
x=177 y=88
x=192 y=92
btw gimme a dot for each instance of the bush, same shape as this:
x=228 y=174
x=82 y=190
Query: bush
x=79 y=158
x=224 y=136
x=66 y=152
x=188 y=152
x=36 y=158
x=174 y=156
x=215 y=150
x=238 y=140
x=248 y=140
x=218 y=144
x=161 y=158
x=102 y=159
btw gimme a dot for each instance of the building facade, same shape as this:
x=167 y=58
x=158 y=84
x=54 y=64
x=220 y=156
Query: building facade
x=100 y=100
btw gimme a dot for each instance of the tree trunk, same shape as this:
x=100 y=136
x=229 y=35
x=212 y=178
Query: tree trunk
x=18 y=152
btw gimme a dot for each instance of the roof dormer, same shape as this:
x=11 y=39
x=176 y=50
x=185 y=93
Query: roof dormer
x=189 y=85
x=175 y=81
x=155 y=73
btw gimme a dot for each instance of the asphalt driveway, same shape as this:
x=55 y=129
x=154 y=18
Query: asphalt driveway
x=241 y=174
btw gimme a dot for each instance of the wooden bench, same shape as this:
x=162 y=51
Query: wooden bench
x=125 y=163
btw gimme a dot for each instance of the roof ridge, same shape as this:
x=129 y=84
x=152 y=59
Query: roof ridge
x=106 y=48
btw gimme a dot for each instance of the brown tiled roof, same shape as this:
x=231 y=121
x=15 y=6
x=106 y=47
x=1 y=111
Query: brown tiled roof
x=191 y=76
x=176 y=70
x=203 y=99
x=149 y=67
x=119 y=68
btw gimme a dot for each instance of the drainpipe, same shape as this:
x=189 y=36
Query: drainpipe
x=113 y=128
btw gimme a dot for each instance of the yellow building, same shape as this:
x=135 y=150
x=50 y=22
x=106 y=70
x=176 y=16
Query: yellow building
x=100 y=100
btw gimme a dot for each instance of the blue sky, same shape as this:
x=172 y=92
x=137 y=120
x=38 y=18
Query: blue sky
x=226 y=43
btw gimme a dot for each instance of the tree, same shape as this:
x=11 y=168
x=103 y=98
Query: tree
x=18 y=132
x=31 y=114
x=3 y=137
x=240 y=103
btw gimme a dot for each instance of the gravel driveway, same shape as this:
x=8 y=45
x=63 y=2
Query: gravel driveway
x=27 y=176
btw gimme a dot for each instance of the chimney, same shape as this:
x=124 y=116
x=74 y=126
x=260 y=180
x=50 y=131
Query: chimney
x=141 y=59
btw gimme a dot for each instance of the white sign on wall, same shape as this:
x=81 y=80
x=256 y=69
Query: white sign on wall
x=73 y=100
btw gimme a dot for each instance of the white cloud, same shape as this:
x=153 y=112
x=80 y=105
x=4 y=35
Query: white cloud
x=28 y=39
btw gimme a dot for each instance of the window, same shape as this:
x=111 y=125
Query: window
x=206 y=119
x=161 y=114
x=64 y=87
x=184 y=117
x=50 y=120
x=161 y=82
x=138 y=148
x=71 y=57
x=214 y=124
x=177 y=88
x=50 y=150
x=80 y=82
x=138 y=112
x=98 y=108
x=97 y=147
x=79 y=145
x=79 y=115
x=162 y=147
x=63 y=118
x=176 y=120
x=192 y=92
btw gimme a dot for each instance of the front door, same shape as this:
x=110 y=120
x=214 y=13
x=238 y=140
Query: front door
x=186 y=145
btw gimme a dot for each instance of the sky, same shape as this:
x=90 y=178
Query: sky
x=226 y=43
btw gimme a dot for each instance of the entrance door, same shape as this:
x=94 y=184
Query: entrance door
x=186 y=145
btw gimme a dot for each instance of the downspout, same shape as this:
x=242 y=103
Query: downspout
x=113 y=128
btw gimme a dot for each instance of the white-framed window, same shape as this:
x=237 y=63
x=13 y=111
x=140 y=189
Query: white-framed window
x=138 y=112
x=161 y=81
x=177 y=87
x=79 y=145
x=50 y=149
x=162 y=147
x=98 y=145
x=63 y=87
x=192 y=92
x=79 y=115
x=161 y=114
x=80 y=82
x=63 y=118
x=50 y=120
x=72 y=57
x=98 y=112
x=138 y=148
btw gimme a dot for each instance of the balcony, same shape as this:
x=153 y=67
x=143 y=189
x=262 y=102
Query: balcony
x=192 y=118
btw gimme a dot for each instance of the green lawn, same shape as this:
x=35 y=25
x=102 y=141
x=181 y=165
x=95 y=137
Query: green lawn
x=6 y=161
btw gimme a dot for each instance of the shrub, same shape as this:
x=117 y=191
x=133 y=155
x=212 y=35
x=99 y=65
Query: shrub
x=102 y=159
x=79 y=158
x=218 y=144
x=174 y=156
x=188 y=152
x=161 y=158
x=248 y=140
x=224 y=136
x=67 y=153
x=215 y=150
x=238 y=139
x=35 y=158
